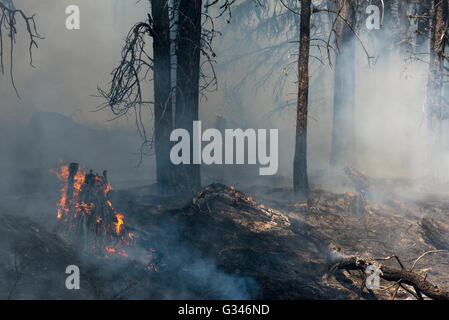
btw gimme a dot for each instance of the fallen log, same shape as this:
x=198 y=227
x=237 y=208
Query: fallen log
x=368 y=190
x=436 y=230
x=400 y=276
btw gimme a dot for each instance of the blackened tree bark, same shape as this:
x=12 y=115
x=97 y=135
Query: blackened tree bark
x=188 y=51
x=300 y=179
x=163 y=118
x=344 y=85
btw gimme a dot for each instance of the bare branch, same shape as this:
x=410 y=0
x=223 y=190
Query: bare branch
x=8 y=24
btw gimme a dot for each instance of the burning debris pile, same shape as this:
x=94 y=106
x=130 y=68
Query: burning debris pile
x=86 y=214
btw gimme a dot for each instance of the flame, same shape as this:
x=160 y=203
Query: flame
x=238 y=196
x=119 y=222
x=70 y=207
x=78 y=180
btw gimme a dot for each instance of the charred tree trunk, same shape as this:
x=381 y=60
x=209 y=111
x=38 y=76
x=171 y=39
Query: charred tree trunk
x=435 y=78
x=188 y=51
x=163 y=118
x=344 y=85
x=300 y=179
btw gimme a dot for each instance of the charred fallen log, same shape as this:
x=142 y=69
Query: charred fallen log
x=436 y=229
x=399 y=276
x=369 y=190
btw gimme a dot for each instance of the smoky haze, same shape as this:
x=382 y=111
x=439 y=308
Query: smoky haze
x=389 y=119
x=56 y=117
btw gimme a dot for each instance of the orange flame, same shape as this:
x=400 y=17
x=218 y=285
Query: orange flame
x=119 y=222
x=70 y=203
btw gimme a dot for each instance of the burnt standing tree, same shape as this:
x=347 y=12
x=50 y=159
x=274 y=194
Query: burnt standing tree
x=188 y=52
x=126 y=92
x=269 y=22
x=175 y=106
x=163 y=113
x=300 y=179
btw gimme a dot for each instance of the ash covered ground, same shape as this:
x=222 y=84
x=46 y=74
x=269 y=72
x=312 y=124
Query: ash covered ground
x=226 y=242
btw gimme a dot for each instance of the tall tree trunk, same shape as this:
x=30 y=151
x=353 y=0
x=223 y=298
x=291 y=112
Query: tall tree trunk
x=300 y=180
x=187 y=83
x=344 y=86
x=163 y=119
x=439 y=25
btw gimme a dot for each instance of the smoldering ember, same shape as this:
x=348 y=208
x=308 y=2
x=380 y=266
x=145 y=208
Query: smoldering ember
x=213 y=152
x=224 y=150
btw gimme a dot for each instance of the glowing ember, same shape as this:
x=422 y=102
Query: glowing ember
x=238 y=196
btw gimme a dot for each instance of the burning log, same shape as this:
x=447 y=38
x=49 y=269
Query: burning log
x=86 y=214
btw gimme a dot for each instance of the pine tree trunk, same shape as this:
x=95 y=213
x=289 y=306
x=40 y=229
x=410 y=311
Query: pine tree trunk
x=187 y=83
x=344 y=86
x=300 y=180
x=163 y=118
